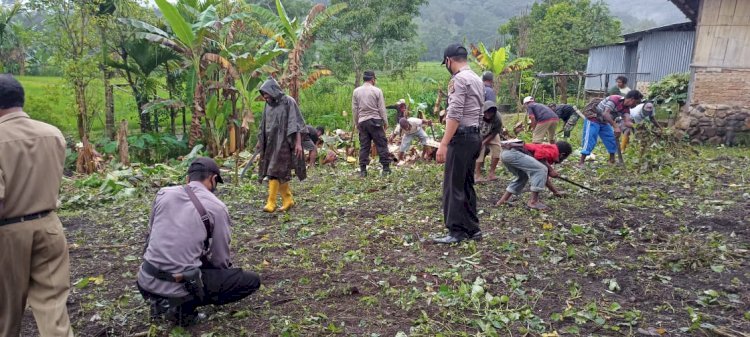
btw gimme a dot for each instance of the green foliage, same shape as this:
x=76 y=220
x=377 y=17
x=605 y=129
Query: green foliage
x=360 y=34
x=559 y=28
x=672 y=88
x=155 y=147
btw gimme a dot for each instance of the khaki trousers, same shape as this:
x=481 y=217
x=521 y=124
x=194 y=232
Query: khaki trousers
x=35 y=266
x=544 y=129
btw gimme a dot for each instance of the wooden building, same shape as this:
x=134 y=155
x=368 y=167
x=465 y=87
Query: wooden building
x=719 y=101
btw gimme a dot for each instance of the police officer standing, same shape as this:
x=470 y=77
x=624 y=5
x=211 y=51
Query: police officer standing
x=186 y=261
x=459 y=147
x=33 y=251
x=368 y=110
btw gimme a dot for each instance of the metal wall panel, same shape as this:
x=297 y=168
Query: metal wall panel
x=606 y=59
x=658 y=54
x=664 y=53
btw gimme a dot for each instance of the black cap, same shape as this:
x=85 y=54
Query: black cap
x=455 y=49
x=369 y=75
x=205 y=164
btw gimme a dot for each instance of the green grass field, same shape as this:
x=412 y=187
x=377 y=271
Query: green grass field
x=51 y=99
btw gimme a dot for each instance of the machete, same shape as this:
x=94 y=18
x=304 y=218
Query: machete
x=575 y=183
x=249 y=164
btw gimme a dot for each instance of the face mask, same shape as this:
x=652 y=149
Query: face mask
x=213 y=185
x=448 y=67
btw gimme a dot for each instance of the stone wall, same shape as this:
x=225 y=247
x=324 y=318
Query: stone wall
x=721 y=86
x=715 y=124
x=719 y=109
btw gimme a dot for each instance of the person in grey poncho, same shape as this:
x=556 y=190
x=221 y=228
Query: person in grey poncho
x=280 y=144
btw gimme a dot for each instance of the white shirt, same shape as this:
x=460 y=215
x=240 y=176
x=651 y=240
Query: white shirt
x=415 y=123
x=638 y=115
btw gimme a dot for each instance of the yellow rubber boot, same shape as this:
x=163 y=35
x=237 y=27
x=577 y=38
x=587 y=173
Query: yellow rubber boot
x=624 y=141
x=273 y=190
x=286 y=197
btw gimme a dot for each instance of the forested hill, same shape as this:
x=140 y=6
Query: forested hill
x=478 y=20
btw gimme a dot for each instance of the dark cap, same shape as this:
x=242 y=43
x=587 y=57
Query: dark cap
x=205 y=164
x=369 y=75
x=455 y=49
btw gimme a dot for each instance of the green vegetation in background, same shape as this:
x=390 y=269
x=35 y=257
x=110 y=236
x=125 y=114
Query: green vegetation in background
x=50 y=99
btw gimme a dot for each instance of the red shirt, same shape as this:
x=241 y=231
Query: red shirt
x=548 y=152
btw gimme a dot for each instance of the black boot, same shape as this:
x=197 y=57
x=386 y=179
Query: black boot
x=386 y=170
x=362 y=171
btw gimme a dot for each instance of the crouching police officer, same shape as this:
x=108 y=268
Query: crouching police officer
x=186 y=260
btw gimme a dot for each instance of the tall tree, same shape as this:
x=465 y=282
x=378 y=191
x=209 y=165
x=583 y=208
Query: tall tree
x=69 y=29
x=7 y=14
x=357 y=35
x=298 y=37
x=558 y=28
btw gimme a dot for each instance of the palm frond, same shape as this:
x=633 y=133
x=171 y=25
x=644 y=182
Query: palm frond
x=315 y=76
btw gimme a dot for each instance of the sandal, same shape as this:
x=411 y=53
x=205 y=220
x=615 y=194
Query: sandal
x=539 y=206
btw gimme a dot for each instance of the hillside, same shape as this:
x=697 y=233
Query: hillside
x=478 y=20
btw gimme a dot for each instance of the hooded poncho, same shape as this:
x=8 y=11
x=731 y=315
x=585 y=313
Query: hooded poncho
x=280 y=122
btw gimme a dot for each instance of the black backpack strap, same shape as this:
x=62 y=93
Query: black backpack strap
x=203 y=214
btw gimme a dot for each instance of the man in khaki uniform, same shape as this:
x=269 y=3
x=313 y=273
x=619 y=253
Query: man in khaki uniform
x=33 y=252
x=368 y=108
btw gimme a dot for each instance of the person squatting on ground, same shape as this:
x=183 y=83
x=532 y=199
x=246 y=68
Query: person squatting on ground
x=410 y=128
x=489 y=132
x=543 y=121
x=568 y=114
x=280 y=145
x=600 y=122
x=532 y=163
x=638 y=115
x=489 y=92
x=368 y=108
x=186 y=262
x=459 y=148
x=33 y=252
x=310 y=141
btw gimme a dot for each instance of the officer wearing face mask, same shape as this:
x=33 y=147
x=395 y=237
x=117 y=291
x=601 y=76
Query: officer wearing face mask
x=459 y=148
x=186 y=263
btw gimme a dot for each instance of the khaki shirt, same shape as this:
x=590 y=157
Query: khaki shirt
x=368 y=103
x=32 y=156
x=177 y=234
x=465 y=97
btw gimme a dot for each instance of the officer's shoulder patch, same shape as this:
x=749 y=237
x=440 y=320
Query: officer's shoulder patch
x=452 y=86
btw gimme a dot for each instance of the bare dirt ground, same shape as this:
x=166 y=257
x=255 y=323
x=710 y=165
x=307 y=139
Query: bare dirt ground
x=663 y=253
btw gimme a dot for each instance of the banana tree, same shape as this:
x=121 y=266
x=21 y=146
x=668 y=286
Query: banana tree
x=498 y=62
x=192 y=41
x=298 y=37
x=6 y=27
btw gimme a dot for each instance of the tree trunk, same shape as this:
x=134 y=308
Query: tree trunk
x=143 y=118
x=109 y=99
x=156 y=121
x=196 y=132
x=563 y=86
x=122 y=143
x=80 y=92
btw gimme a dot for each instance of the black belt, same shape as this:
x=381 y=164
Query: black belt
x=464 y=130
x=10 y=221
x=160 y=274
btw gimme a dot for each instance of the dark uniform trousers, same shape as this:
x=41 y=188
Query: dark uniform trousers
x=221 y=286
x=370 y=131
x=459 y=197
